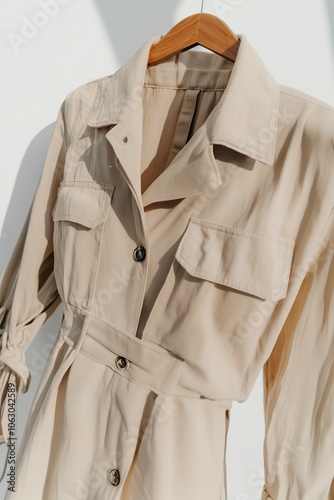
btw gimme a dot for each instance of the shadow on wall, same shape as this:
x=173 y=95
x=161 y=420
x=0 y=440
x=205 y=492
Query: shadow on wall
x=330 y=8
x=25 y=186
x=130 y=24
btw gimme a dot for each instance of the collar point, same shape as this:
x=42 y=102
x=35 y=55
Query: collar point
x=267 y=157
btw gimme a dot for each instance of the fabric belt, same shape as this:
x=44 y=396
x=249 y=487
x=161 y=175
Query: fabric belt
x=149 y=365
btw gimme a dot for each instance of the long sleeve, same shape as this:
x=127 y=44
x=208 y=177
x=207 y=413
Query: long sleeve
x=28 y=291
x=299 y=388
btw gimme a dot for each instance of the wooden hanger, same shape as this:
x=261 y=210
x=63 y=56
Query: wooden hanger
x=199 y=29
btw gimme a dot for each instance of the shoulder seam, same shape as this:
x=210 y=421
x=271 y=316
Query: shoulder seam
x=310 y=99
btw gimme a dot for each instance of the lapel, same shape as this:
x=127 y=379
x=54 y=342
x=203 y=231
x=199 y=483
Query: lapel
x=192 y=171
x=245 y=119
x=118 y=102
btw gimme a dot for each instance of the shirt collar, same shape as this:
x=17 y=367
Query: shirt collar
x=245 y=118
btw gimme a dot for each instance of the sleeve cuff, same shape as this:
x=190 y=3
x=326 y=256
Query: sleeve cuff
x=12 y=370
x=13 y=357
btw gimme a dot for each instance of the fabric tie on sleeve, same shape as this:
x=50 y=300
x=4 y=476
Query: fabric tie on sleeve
x=14 y=358
x=11 y=367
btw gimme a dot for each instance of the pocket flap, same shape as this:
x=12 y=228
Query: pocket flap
x=86 y=203
x=253 y=263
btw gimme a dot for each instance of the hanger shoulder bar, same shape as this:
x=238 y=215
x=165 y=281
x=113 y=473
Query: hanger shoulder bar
x=216 y=36
x=181 y=37
x=199 y=29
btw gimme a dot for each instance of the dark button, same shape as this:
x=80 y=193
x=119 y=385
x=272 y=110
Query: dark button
x=114 y=477
x=139 y=254
x=125 y=139
x=122 y=363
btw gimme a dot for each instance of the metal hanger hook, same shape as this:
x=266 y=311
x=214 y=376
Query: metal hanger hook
x=202 y=6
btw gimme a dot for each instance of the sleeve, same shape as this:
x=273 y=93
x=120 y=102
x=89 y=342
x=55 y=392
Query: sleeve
x=299 y=388
x=28 y=291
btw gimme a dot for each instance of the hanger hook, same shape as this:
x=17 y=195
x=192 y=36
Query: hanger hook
x=202 y=6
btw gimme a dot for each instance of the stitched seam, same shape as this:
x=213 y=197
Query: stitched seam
x=235 y=284
x=154 y=347
x=309 y=99
x=103 y=123
x=74 y=218
x=97 y=185
x=280 y=240
x=277 y=240
x=93 y=298
x=90 y=356
x=277 y=96
x=244 y=151
x=172 y=87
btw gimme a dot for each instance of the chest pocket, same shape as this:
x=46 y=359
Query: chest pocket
x=217 y=303
x=79 y=216
x=251 y=263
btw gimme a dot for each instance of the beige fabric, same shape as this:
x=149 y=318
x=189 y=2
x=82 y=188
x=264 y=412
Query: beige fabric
x=227 y=180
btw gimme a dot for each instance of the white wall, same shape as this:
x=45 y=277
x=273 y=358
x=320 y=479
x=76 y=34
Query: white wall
x=78 y=41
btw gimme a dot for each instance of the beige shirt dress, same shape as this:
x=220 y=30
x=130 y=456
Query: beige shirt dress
x=184 y=218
